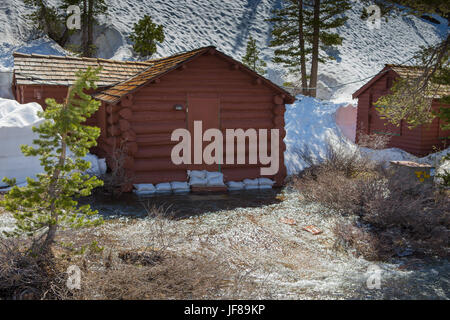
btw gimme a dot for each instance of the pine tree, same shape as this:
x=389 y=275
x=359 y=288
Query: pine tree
x=46 y=203
x=289 y=39
x=145 y=35
x=252 y=59
x=302 y=28
x=90 y=10
x=48 y=19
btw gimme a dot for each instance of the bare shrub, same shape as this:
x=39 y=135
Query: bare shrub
x=393 y=212
x=335 y=191
x=361 y=241
x=118 y=178
x=338 y=157
x=348 y=161
x=174 y=277
x=373 y=141
x=24 y=275
x=411 y=216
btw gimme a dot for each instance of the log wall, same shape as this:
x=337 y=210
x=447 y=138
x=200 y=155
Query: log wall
x=419 y=141
x=146 y=118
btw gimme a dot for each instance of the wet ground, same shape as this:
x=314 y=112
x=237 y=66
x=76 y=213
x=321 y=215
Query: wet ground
x=180 y=205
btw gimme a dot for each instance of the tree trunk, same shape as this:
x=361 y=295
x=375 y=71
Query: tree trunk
x=90 y=41
x=65 y=36
x=301 y=38
x=84 y=29
x=53 y=193
x=315 y=49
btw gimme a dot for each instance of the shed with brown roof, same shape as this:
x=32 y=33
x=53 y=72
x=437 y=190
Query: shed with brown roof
x=142 y=103
x=419 y=141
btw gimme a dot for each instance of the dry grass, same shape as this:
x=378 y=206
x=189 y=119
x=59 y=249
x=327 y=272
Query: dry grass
x=24 y=275
x=117 y=180
x=169 y=277
x=109 y=271
x=373 y=141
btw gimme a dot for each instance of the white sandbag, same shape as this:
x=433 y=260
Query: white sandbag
x=102 y=166
x=251 y=182
x=163 y=187
x=216 y=182
x=213 y=175
x=249 y=187
x=200 y=174
x=233 y=185
x=198 y=182
x=265 y=182
x=265 y=187
x=147 y=187
x=179 y=186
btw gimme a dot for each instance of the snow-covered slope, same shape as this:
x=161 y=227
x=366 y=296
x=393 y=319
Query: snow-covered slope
x=227 y=24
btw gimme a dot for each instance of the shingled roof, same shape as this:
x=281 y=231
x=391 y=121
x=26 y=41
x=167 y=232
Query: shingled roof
x=404 y=72
x=157 y=68
x=31 y=69
x=117 y=78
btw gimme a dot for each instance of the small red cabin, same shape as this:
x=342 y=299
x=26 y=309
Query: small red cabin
x=142 y=103
x=419 y=141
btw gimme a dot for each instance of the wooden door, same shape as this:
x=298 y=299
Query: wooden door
x=207 y=111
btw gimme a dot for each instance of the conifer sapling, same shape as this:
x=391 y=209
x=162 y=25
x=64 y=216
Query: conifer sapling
x=252 y=59
x=47 y=202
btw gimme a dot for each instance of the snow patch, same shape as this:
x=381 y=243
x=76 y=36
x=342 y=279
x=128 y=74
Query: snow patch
x=16 y=122
x=310 y=123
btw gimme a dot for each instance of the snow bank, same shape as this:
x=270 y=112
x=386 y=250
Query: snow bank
x=310 y=123
x=16 y=122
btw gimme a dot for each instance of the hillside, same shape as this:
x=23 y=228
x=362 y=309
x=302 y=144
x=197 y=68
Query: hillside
x=227 y=25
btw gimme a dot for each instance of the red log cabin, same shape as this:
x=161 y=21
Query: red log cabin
x=143 y=102
x=419 y=141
